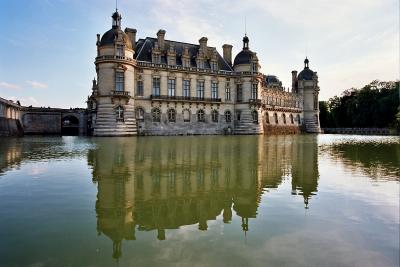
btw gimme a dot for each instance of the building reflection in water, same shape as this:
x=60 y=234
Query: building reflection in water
x=156 y=184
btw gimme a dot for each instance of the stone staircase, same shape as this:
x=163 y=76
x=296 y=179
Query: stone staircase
x=246 y=126
x=107 y=125
x=311 y=126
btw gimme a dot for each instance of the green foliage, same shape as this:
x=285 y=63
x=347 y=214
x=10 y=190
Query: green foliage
x=374 y=105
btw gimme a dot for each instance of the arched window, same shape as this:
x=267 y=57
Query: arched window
x=284 y=118
x=171 y=115
x=139 y=114
x=298 y=119
x=316 y=119
x=228 y=116
x=276 y=118
x=186 y=115
x=254 y=115
x=266 y=117
x=156 y=115
x=200 y=115
x=291 y=119
x=214 y=115
x=119 y=113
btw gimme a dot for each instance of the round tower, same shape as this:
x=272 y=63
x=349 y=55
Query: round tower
x=115 y=68
x=308 y=89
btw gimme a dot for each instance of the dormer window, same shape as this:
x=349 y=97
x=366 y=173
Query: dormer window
x=213 y=66
x=120 y=51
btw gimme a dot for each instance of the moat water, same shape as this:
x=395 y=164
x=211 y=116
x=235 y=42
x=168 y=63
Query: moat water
x=303 y=200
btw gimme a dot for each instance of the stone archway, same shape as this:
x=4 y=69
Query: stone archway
x=70 y=125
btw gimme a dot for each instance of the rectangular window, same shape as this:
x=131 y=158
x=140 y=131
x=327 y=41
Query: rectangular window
x=214 y=90
x=239 y=93
x=200 y=89
x=139 y=88
x=171 y=87
x=213 y=66
x=119 y=81
x=254 y=67
x=186 y=88
x=156 y=86
x=120 y=51
x=227 y=93
x=254 y=91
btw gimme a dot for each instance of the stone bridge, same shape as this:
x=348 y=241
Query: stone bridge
x=54 y=121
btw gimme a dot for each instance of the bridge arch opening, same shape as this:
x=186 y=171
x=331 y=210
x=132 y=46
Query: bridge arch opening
x=70 y=125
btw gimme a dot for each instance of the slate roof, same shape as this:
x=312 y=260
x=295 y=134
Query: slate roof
x=306 y=74
x=144 y=47
x=244 y=57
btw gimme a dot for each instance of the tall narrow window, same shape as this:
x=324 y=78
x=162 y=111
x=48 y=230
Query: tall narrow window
x=254 y=67
x=239 y=93
x=139 y=88
x=284 y=118
x=139 y=114
x=214 y=90
x=200 y=89
x=276 y=118
x=119 y=81
x=156 y=115
x=186 y=88
x=254 y=115
x=228 y=116
x=171 y=87
x=213 y=66
x=266 y=117
x=186 y=115
x=214 y=115
x=156 y=86
x=254 y=91
x=200 y=115
x=291 y=119
x=227 y=93
x=120 y=51
x=119 y=113
x=315 y=102
x=171 y=115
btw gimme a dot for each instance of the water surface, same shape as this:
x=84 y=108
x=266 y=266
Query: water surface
x=303 y=200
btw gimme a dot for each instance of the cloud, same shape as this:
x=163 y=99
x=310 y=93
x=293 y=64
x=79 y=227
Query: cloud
x=37 y=85
x=9 y=86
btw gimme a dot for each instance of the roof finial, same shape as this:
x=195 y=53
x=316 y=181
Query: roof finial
x=245 y=26
x=116 y=5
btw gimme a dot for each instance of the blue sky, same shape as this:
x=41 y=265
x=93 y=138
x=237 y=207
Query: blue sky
x=47 y=47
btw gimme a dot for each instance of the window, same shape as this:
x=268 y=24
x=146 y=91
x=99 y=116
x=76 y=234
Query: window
x=213 y=66
x=214 y=90
x=238 y=115
x=228 y=93
x=186 y=115
x=254 y=91
x=156 y=86
x=119 y=113
x=200 y=115
x=239 y=93
x=186 y=88
x=120 y=51
x=139 y=88
x=291 y=119
x=171 y=115
x=119 y=81
x=266 y=117
x=214 y=115
x=254 y=116
x=284 y=118
x=228 y=116
x=254 y=67
x=298 y=119
x=276 y=118
x=156 y=114
x=171 y=87
x=139 y=114
x=200 y=89
x=315 y=102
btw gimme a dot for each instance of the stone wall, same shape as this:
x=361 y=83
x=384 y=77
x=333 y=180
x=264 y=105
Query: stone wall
x=10 y=127
x=281 y=129
x=42 y=123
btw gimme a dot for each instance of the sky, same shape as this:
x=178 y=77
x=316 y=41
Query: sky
x=47 y=47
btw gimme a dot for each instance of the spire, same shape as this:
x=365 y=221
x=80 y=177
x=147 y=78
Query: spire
x=306 y=61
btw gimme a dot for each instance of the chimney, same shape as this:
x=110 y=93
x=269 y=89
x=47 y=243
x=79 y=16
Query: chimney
x=227 y=53
x=203 y=43
x=294 y=81
x=161 y=38
x=132 y=36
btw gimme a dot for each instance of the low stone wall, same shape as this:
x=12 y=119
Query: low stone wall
x=278 y=129
x=10 y=127
x=360 y=131
x=42 y=123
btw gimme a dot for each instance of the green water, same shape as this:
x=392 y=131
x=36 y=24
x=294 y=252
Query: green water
x=304 y=200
